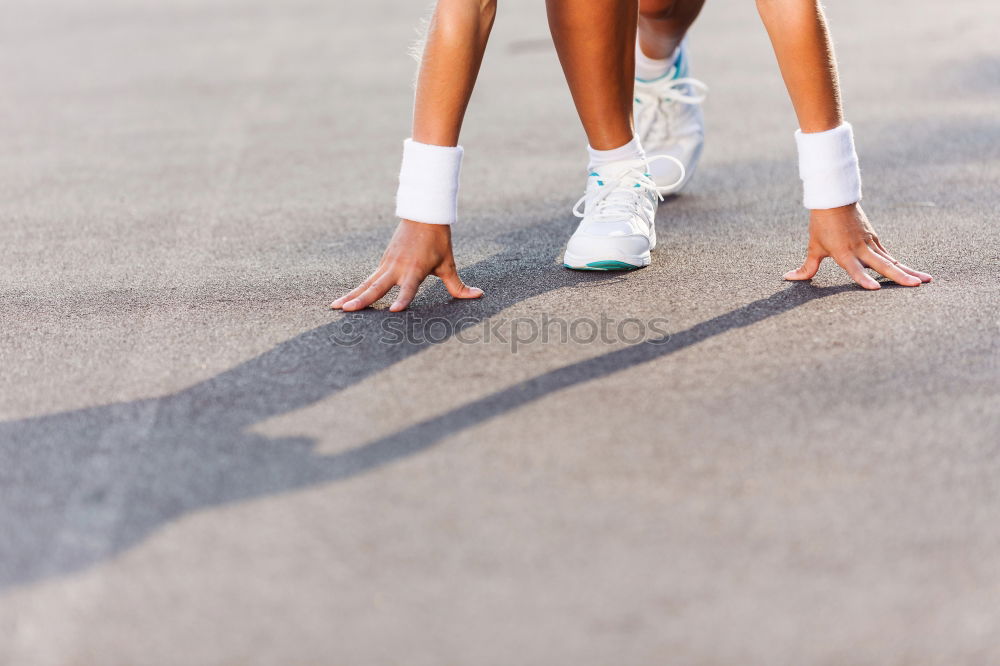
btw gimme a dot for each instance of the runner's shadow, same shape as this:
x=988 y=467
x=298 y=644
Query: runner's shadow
x=85 y=485
x=427 y=433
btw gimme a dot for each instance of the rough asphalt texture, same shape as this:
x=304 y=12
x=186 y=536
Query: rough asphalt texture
x=196 y=468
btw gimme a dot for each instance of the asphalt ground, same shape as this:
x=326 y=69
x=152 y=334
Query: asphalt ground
x=696 y=463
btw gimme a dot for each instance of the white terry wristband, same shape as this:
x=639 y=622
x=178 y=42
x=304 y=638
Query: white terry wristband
x=828 y=167
x=428 y=183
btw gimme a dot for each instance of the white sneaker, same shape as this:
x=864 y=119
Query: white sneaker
x=668 y=121
x=617 y=230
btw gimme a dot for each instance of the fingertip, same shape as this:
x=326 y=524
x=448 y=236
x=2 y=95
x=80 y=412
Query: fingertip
x=350 y=306
x=397 y=306
x=791 y=275
x=465 y=292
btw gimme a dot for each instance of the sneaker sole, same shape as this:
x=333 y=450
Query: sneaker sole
x=595 y=264
x=604 y=266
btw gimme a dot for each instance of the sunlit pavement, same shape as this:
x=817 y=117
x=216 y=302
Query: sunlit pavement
x=695 y=463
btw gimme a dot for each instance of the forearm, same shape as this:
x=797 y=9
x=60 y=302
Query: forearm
x=456 y=41
x=426 y=201
x=802 y=45
x=828 y=163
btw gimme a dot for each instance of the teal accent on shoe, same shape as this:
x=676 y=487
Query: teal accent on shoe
x=680 y=65
x=609 y=265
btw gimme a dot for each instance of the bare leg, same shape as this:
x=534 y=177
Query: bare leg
x=663 y=24
x=596 y=46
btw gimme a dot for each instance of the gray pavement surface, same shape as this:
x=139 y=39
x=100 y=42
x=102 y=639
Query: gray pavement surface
x=200 y=464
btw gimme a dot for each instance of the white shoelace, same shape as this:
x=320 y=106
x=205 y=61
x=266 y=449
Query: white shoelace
x=604 y=205
x=664 y=102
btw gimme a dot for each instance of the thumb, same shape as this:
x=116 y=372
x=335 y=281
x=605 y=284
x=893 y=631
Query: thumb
x=454 y=284
x=807 y=270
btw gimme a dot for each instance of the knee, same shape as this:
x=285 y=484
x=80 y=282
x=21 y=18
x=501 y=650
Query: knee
x=488 y=9
x=657 y=9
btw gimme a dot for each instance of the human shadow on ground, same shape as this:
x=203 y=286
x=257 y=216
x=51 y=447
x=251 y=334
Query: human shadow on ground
x=425 y=434
x=83 y=485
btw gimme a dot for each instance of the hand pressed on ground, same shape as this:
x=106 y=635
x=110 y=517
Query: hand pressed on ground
x=845 y=235
x=415 y=251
